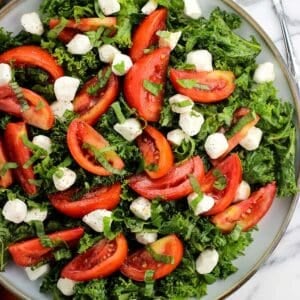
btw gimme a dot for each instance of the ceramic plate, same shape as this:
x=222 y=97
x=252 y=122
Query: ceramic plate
x=273 y=225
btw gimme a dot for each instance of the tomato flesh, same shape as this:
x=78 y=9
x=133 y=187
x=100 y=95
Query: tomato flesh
x=247 y=213
x=5 y=180
x=140 y=261
x=100 y=261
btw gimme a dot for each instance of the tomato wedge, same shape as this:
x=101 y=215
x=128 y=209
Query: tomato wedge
x=203 y=87
x=140 y=261
x=98 y=198
x=81 y=134
x=19 y=153
x=145 y=34
x=231 y=170
x=150 y=68
x=9 y=102
x=173 y=186
x=33 y=56
x=91 y=107
x=247 y=213
x=5 y=180
x=31 y=252
x=100 y=261
x=156 y=151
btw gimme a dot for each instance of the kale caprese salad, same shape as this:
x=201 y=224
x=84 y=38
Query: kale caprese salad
x=140 y=145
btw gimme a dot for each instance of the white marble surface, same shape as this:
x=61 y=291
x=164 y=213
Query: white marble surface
x=279 y=278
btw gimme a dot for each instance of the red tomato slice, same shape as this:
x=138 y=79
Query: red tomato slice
x=213 y=86
x=173 y=186
x=33 y=56
x=151 y=67
x=9 y=102
x=247 y=213
x=98 y=198
x=100 y=261
x=140 y=261
x=156 y=151
x=91 y=107
x=5 y=180
x=145 y=35
x=80 y=133
x=231 y=169
x=31 y=252
x=20 y=154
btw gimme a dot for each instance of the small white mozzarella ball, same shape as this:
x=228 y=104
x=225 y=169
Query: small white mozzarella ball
x=252 y=140
x=201 y=59
x=59 y=108
x=95 y=219
x=243 y=191
x=192 y=9
x=107 y=53
x=207 y=261
x=79 y=45
x=32 y=23
x=168 y=39
x=36 y=214
x=216 y=145
x=130 y=129
x=204 y=205
x=43 y=142
x=121 y=64
x=149 y=7
x=191 y=122
x=141 y=208
x=63 y=178
x=66 y=286
x=109 y=7
x=15 y=211
x=36 y=273
x=176 y=137
x=146 y=238
x=181 y=104
x=264 y=73
x=5 y=74
x=65 y=88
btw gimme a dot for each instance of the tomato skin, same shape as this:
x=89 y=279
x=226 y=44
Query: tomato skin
x=6 y=180
x=92 y=264
x=91 y=107
x=145 y=34
x=99 y=198
x=220 y=83
x=79 y=133
x=20 y=154
x=30 y=252
x=152 y=67
x=174 y=185
x=9 y=102
x=170 y=245
x=257 y=206
x=33 y=56
x=152 y=143
x=231 y=168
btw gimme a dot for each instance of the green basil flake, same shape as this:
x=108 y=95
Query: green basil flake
x=163 y=34
x=118 y=112
x=192 y=83
x=40 y=105
x=220 y=180
x=108 y=233
x=195 y=184
x=148 y=277
x=120 y=67
x=103 y=78
x=151 y=167
x=152 y=87
x=36 y=156
x=20 y=96
x=35 y=182
x=7 y=166
x=40 y=232
x=95 y=37
x=54 y=32
x=165 y=259
x=183 y=103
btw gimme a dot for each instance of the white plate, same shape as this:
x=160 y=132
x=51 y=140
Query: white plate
x=274 y=224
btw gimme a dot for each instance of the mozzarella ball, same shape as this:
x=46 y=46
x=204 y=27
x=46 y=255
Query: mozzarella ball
x=66 y=286
x=207 y=261
x=65 y=88
x=36 y=214
x=59 y=108
x=15 y=211
x=43 y=142
x=95 y=219
x=36 y=273
x=141 y=208
x=79 y=45
x=5 y=74
x=107 y=53
x=109 y=7
x=264 y=73
x=176 y=137
x=201 y=59
x=146 y=238
x=168 y=39
x=204 y=205
x=216 y=145
x=192 y=9
x=181 y=104
x=191 y=122
x=63 y=178
x=149 y=7
x=130 y=129
x=121 y=64
x=252 y=140
x=32 y=23
x=243 y=191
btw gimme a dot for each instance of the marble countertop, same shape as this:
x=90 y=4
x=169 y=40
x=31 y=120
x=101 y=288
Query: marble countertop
x=279 y=278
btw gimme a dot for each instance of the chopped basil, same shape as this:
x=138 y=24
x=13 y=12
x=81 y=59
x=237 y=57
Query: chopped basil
x=220 y=180
x=151 y=167
x=103 y=78
x=149 y=283
x=197 y=189
x=163 y=34
x=183 y=103
x=118 y=112
x=35 y=182
x=40 y=105
x=165 y=259
x=108 y=233
x=192 y=83
x=149 y=276
x=19 y=94
x=7 y=166
x=95 y=37
x=54 y=32
x=152 y=87
x=120 y=67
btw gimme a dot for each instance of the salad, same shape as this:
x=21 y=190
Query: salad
x=140 y=146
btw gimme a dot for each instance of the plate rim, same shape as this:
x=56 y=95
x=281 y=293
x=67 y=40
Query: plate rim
x=296 y=100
